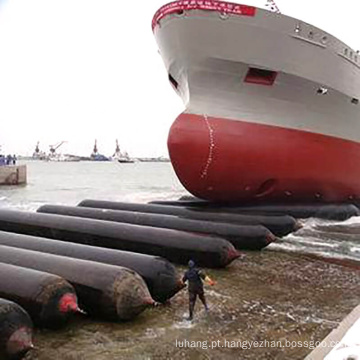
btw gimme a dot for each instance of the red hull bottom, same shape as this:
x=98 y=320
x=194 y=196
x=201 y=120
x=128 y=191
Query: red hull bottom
x=228 y=160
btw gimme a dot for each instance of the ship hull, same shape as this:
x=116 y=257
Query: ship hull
x=229 y=160
x=272 y=105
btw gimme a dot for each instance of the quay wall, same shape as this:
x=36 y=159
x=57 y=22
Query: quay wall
x=12 y=174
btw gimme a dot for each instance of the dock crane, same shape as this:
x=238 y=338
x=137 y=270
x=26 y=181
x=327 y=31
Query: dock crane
x=117 y=149
x=53 y=148
x=95 y=149
x=37 y=149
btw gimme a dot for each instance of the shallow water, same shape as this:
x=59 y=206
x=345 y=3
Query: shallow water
x=269 y=296
x=318 y=237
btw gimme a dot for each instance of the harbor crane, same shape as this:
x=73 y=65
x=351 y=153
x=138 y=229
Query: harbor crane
x=53 y=148
x=37 y=149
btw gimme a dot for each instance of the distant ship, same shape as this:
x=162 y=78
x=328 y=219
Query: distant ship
x=272 y=104
x=121 y=157
x=54 y=156
x=154 y=159
x=95 y=156
x=39 y=155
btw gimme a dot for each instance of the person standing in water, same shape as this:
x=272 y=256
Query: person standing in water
x=195 y=277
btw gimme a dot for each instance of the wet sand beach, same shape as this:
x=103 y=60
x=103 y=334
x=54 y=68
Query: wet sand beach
x=269 y=296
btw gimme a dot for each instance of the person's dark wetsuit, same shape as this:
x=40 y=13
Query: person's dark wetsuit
x=194 y=277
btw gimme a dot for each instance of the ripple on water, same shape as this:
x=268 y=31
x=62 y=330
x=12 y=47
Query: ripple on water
x=184 y=324
x=319 y=237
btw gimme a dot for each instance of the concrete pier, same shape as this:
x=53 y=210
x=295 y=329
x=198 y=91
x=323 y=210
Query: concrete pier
x=341 y=343
x=12 y=174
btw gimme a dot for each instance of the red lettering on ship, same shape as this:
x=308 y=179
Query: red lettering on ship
x=212 y=5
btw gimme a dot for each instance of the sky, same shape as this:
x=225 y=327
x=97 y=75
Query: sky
x=80 y=70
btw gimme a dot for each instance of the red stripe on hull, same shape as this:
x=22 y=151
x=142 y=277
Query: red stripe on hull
x=227 y=160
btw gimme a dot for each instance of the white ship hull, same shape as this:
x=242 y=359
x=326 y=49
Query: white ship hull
x=291 y=132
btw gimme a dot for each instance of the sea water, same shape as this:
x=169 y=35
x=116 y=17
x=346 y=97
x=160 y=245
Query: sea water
x=68 y=183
